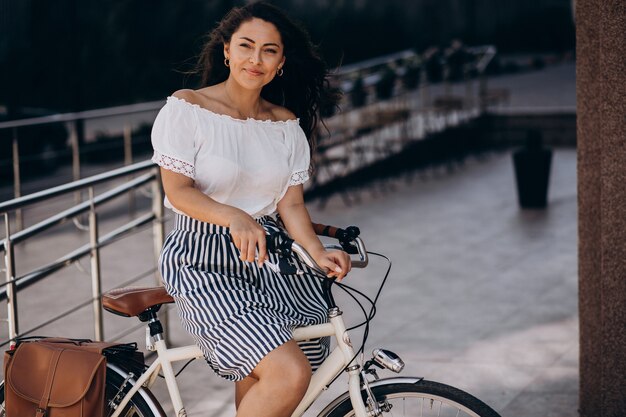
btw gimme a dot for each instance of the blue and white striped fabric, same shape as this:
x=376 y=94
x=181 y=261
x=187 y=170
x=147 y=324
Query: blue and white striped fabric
x=237 y=312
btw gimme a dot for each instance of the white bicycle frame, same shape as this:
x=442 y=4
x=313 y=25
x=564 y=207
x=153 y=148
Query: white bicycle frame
x=342 y=356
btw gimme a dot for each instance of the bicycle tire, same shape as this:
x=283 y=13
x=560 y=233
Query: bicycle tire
x=137 y=407
x=421 y=399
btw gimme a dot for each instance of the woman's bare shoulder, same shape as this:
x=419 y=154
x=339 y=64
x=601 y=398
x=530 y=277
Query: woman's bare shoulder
x=206 y=98
x=187 y=95
x=281 y=114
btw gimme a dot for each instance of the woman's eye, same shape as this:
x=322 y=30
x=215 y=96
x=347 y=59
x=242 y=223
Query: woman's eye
x=271 y=51
x=245 y=45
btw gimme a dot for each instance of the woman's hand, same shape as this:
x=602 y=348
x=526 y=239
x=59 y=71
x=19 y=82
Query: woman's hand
x=336 y=262
x=247 y=235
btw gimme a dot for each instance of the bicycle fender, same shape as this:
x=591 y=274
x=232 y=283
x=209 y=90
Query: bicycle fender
x=384 y=381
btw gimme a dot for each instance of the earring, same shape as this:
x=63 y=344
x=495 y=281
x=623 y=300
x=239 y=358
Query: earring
x=279 y=72
x=227 y=62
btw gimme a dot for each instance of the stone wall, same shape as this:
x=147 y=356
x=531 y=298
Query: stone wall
x=601 y=134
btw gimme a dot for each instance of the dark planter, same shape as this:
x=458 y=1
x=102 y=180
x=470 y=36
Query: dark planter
x=532 y=172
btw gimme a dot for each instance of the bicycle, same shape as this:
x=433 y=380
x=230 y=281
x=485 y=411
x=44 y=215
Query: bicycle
x=128 y=390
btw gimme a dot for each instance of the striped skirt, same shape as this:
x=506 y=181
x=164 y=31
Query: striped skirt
x=237 y=312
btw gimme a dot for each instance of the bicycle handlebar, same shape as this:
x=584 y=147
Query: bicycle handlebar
x=348 y=238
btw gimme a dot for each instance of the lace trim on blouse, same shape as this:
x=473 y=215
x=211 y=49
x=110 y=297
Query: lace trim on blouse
x=174 y=165
x=299 y=177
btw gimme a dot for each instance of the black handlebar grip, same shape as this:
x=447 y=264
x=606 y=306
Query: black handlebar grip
x=324 y=230
x=348 y=234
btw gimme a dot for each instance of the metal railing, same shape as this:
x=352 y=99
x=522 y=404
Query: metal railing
x=380 y=127
x=147 y=174
x=76 y=131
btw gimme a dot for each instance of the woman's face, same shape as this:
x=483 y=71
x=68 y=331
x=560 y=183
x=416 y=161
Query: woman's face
x=255 y=52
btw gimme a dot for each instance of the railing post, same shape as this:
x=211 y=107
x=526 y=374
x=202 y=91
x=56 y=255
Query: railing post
x=128 y=144
x=17 y=179
x=128 y=160
x=158 y=227
x=158 y=232
x=96 y=281
x=9 y=260
x=75 y=157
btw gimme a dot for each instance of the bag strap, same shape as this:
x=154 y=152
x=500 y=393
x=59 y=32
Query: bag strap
x=78 y=344
x=45 y=398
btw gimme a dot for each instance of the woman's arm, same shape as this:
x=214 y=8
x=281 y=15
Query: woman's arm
x=296 y=218
x=246 y=233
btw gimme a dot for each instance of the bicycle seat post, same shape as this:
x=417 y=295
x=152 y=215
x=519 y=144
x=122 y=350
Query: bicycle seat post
x=155 y=326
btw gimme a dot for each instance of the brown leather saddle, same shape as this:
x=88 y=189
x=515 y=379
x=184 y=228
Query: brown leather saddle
x=133 y=301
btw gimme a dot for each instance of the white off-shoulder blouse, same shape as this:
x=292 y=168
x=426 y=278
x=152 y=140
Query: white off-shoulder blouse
x=248 y=164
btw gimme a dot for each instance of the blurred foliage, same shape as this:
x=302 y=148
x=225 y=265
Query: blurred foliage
x=67 y=55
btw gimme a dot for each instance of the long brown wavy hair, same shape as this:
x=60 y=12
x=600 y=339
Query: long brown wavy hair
x=304 y=86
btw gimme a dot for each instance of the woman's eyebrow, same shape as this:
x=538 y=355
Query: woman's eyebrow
x=266 y=44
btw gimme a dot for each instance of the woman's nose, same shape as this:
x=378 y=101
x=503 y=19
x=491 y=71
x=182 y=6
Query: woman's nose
x=255 y=57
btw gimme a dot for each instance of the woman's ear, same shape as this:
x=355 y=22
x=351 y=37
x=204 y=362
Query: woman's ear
x=226 y=50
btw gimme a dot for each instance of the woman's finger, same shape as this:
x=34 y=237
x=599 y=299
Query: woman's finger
x=252 y=245
x=262 y=243
x=345 y=266
x=243 y=249
x=236 y=241
x=342 y=259
x=333 y=270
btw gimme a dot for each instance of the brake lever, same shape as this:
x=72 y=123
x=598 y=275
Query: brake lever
x=349 y=247
x=280 y=244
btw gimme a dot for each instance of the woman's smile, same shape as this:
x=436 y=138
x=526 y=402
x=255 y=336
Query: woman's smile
x=253 y=72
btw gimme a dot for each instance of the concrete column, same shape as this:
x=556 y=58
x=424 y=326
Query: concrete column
x=601 y=136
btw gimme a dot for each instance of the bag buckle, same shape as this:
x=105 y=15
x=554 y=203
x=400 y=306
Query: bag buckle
x=41 y=412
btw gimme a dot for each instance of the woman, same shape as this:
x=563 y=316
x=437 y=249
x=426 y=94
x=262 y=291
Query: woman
x=232 y=154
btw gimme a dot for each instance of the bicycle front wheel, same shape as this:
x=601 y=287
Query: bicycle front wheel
x=421 y=399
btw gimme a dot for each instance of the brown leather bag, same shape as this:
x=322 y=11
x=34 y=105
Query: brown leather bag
x=55 y=378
